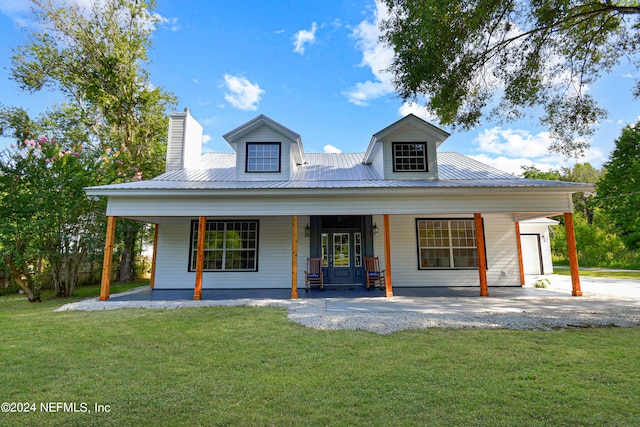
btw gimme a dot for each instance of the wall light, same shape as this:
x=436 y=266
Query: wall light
x=306 y=231
x=376 y=232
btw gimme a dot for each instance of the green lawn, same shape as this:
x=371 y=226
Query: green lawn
x=252 y=366
x=599 y=273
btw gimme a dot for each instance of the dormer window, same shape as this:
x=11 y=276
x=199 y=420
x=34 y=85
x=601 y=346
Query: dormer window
x=263 y=157
x=410 y=157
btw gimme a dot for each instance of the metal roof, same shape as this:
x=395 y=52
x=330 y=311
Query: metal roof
x=343 y=170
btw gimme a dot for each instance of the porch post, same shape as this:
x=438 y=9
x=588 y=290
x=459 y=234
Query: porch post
x=573 y=255
x=108 y=258
x=387 y=258
x=482 y=260
x=294 y=257
x=202 y=229
x=520 y=261
x=153 y=259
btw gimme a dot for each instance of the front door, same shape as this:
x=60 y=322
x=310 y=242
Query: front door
x=342 y=252
x=342 y=241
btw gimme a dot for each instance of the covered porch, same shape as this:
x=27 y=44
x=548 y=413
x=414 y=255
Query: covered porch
x=305 y=232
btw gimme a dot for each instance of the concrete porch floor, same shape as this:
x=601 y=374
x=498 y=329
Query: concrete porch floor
x=332 y=291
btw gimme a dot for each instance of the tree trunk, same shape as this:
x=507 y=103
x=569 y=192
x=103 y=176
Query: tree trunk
x=17 y=277
x=127 y=264
x=56 y=277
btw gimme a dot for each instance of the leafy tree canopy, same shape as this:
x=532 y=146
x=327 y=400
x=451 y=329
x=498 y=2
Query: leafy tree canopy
x=619 y=189
x=48 y=224
x=95 y=53
x=501 y=58
x=95 y=57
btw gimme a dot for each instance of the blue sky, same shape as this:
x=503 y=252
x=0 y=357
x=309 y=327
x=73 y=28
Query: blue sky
x=315 y=66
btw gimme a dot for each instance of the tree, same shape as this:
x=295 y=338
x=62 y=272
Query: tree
x=96 y=58
x=580 y=172
x=502 y=58
x=618 y=190
x=532 y=172
x=48 y=225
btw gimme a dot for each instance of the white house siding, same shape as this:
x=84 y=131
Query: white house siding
x=264 y=134
x=348 y=202
x=502 y=261
x=175 y=144
x=274 y=256
x=184 y=147
x=378 y=162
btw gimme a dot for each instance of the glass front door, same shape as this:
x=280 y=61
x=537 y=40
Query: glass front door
x=341 y=255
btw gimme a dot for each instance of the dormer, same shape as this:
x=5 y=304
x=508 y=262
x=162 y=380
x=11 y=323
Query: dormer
x=265 y=150
x=406 y=150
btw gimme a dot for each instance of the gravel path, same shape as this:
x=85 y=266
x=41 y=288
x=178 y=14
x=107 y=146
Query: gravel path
x=386 y=316
x=555 y=315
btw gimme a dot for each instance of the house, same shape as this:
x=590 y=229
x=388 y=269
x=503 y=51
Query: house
x=251 y=218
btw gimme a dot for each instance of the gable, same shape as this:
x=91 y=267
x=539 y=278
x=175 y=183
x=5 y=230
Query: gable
x=406 y=150
x=265 y=150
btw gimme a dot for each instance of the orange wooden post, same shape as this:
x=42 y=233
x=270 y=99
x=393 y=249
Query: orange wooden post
x=294 y=257
x=387 y=258
x=482 y=260
x=108 y=258
x=153 y=259
x=202 y=229
x=520 y=261
x=573 y=255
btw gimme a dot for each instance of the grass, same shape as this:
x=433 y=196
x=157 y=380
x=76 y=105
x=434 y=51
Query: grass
x=252 y=366
x=82 y=292
x=600 y=273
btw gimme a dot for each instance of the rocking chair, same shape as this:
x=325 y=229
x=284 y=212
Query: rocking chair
x=375 y=276
x=313 y=275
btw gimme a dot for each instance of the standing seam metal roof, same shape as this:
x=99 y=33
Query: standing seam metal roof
x=337 y=170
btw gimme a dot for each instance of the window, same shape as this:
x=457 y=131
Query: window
x=409 y=157
x=446 y=243
x=325 y=249
x=357 y=249
x=263 y=157
x=228 y=246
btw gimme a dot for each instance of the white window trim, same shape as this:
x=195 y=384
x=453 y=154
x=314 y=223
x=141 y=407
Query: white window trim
x=451 y=247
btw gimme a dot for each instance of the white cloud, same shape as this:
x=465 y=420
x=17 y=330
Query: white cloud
x=303 y=38
x=331 y=149
x=418 y=110
x=375 y=55
x=241 y=93
x=206 y=138
x=11 y=7
x=170 y=23
x=513 y=165
x=20 y=12
x=513 y=142
x=510 y=149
